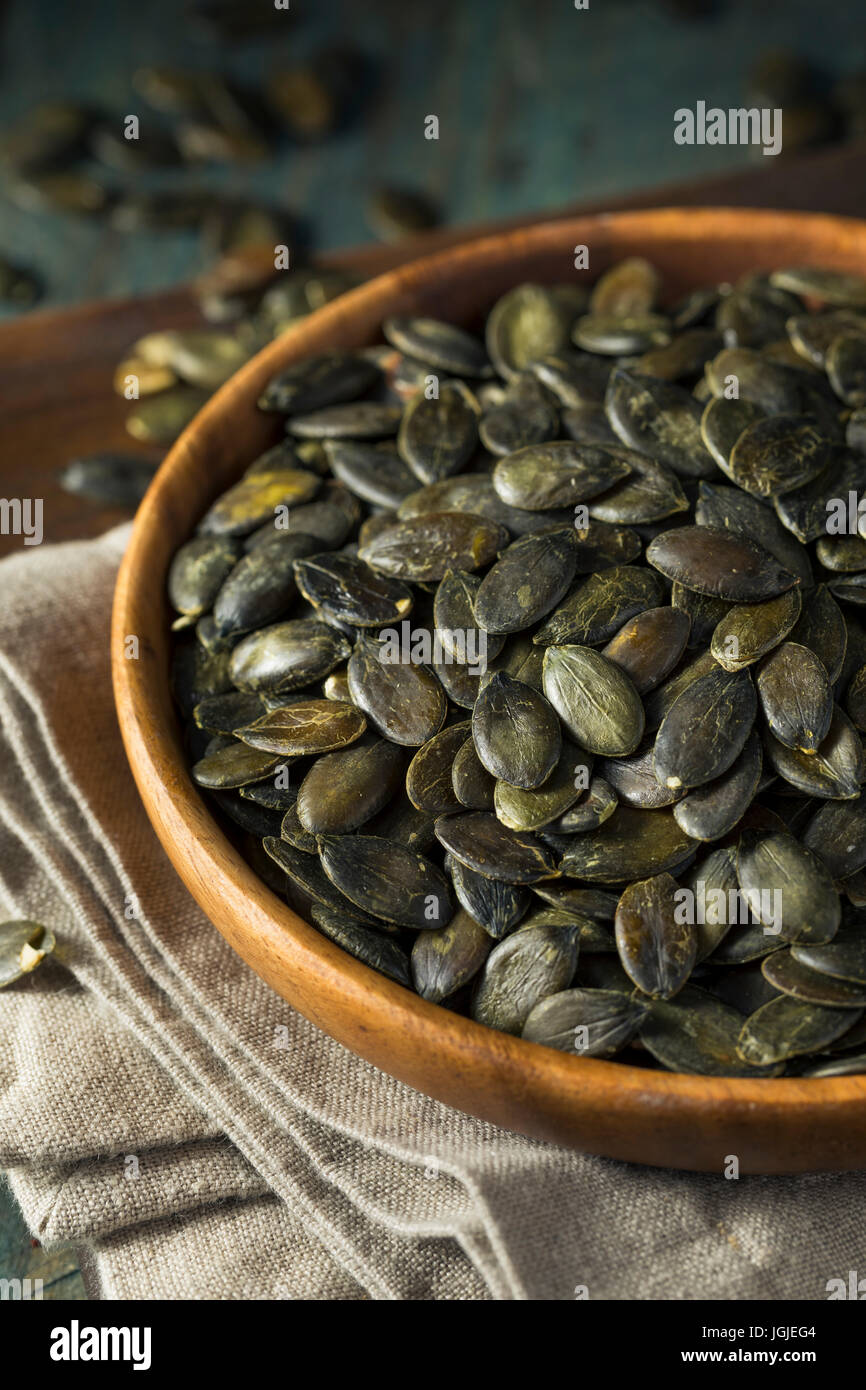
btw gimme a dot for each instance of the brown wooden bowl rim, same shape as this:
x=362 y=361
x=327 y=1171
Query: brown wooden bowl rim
x=209 y=859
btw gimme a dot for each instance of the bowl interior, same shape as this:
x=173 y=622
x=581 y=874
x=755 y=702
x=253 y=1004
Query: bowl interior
x=604 y=1107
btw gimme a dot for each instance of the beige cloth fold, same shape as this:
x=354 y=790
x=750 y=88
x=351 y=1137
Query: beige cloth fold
x=147 y=1114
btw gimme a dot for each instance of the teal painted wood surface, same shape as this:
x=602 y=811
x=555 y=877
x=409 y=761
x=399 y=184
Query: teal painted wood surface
x=539 y=105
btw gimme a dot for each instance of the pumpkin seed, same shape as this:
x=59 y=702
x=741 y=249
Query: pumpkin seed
x=595 y=700
x=749 y=630
x=719 y=563
x=405 y=703
x=788 y=1027
x=516 y=732
x=425 y=547
x=520 y=971
x=446 y=959
x=444 y=346
x=796 y=696
x=648 y=646
x=428 y=778
x=843 y=958
x=527 y=323
x=705 y=730
x=656 y=951
x=305 y=727
x=529 y=579
x=661 y=419
x=480 y=842
x=560 y=474
x=438 y=435
x=286 y=656
x=835 y=769
x=793 y=978
x=697 y=1033
x=600 y=605
x=630 y=844
x=345 y=789
x=346 y=589
x=379 y=952
x=711 y=810
x=590 y=1022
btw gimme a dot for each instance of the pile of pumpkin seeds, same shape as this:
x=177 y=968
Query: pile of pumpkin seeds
x=527 y=666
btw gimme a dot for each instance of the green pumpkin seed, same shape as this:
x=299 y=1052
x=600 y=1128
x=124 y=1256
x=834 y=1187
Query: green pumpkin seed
x=478 y=840
x=656 y=951
x=630 y=844
x=711 y=810
x=629 y=287
x=521 y=971
x=837 y=835
x=355 y=420
x=346 y=590
x=821 y=628
x=705 y=730
x=805 y=509
x=404 y=702
x=261 y=587
x=428 y=778
x=595 y=806
x=777 y=455
x=253 y=501
x=661 y=419
x=749 y=630
x=835 y=769
x=473 y=785
x=843 y=958
x=793 y=978
x=595 y=700
x=560 y=474
x=698 y=1034
x=787 y=887
x=649 y=645
x=712 y=880
x=651 y=494
x=521 y=809
x=387 y=880
x=516 y=732
x=527 y=323
x=446 y=959
x=617 y=335
x=233 y=766
x=719 y=563
x=727 y=507
x=344 y=790
x=444 y=346
x=600 y=605
x=788 y=1027
x=528 y=580
x=305 y=727
x=286 y=656
x=374 y=474
x=634 y=781
x=590 y=1022
x=425 y=547
x=796 y=696
x=527 y=416
x=198 y=571
x=830 y=286
x=437 y=436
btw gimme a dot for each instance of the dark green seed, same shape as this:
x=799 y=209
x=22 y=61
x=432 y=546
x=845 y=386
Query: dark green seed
x=837 y=834
x=710 y=811
x=387 y=880
x=649 y=646
x=286 y=656
x=843 y=958
x=656 y=950
x=821 y=628
x=428 y=778
x=796 y=696
x=527 y=967
x=790 y=976
x=630 y=844
x=705 y=730
x=437 y=436
x=345 y=789
x=522 y=809
x=527 y=323
x=198 y=572
x=473 y=785
x=617 y=335
x=254 y=500
x=589 y=1022
x=787 y=888
x=528 y=580
x=305 y=727
x=233 y=766
x=479 y=841
x=560 y=474
x=661 y=419
x=426 y=547
x=595 y=700
x=600 y=605
x=404 y=702
x=749 y=630
x=788 y=1027
x=442 y=345
x=366 y=945
x=261 y=587
x=355 y=420
x=374 y=474
x=347 y=590
x=719 y=563
x=446 y=959
x=777 y=455
x=834 y=770
x=516 y=732
x=697 y=1033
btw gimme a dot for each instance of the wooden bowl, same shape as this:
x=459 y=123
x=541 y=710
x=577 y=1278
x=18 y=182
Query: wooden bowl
x=625 y=1112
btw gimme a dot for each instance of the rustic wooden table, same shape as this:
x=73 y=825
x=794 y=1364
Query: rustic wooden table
x=56 y=399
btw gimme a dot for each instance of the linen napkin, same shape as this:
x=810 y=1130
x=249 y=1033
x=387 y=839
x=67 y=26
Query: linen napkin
x=168 y=1113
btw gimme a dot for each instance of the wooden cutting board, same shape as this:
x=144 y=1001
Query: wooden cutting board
x=56 y=368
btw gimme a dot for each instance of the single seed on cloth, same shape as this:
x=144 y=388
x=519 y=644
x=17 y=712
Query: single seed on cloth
x=655 y=949
x=705 y=730
x=528 y=966
x=528 y=579
x=516 y=732
x=23 y=946
x=425 y=547
x=387 y=879
x=719 y=563
x=595 y=700
x=305 y=727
